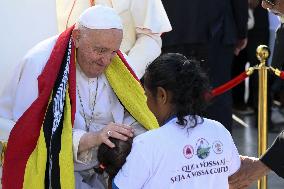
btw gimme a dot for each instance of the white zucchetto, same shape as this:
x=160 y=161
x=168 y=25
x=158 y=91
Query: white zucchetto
x=100 y=17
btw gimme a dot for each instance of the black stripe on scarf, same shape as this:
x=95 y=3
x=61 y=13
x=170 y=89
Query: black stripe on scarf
x=53 y=123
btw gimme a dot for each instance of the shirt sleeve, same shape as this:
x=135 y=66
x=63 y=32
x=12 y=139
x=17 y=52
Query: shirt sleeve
x=235 y=161
x=83 y=157
x=136 y=170
x=274 y=156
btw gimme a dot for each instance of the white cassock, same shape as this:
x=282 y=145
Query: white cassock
x=23 y=90
x=143 y=23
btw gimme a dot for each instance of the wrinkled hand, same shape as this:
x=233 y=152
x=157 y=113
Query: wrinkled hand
x=251 y=169
x=114 y=130
x=277 y=9
x=92 y=139
x=241 y=44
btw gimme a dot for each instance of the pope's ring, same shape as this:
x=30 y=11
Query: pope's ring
x=109 y=133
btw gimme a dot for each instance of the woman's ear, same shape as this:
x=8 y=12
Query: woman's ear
x=162 y=95
x=76 y=37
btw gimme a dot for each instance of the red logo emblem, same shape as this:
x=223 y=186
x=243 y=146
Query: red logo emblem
x=188 y=151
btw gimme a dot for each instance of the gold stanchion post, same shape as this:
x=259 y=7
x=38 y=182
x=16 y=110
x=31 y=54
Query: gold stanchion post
x=262 y=54
x=2 y=152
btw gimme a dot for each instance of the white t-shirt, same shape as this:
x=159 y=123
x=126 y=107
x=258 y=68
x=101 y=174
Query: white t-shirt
x=173 y=157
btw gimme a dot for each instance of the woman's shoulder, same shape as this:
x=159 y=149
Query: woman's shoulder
x=213 y=126
x=152 y=136
x=148 y=134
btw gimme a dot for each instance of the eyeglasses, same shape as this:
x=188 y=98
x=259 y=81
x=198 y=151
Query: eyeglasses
x=103 y=51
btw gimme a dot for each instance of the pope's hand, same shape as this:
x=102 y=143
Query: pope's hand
x=93 y=139
x=114 y=130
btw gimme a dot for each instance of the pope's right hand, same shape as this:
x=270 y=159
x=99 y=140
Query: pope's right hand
x=94 y=139
x=115 y=130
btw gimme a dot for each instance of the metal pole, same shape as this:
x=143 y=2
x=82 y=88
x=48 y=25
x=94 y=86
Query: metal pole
x=2 y=152
x=262 y=54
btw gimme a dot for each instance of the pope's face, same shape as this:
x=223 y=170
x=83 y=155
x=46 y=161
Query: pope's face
x=96 y=49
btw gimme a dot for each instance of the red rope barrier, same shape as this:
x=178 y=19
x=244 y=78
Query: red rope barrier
x=237 y=80
x=282 y=75
x=229 y=85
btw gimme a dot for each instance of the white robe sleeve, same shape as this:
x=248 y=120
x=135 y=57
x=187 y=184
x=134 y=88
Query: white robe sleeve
x=150 y=14
x=18 y=95
x=10 y=96
x=146 y=48
x=83 y=157
x=235 y=161
x=6 y=105
x=22 y=88
x=150 y=22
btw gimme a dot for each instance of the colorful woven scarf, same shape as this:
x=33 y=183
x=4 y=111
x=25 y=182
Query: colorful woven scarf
x=129 y=91
x=39 y=151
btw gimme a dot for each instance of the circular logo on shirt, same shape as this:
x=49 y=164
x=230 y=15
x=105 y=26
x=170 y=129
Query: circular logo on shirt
x=188 y=151
x=217 y=147
x=203 y=148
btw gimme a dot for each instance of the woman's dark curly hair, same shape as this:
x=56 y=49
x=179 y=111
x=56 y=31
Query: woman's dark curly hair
x=112 y=159
x=184 y=79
